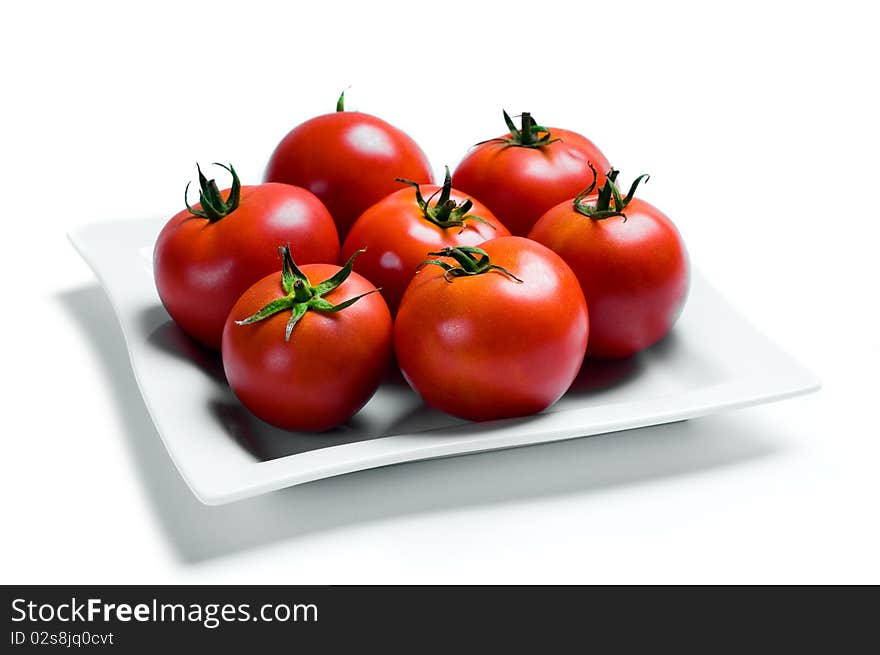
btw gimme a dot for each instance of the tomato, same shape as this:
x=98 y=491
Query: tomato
x=492 y=332
x=401 y=229
x=522 y=175
x=208 y=255
x=303 y=356
x=349 y=160
x=630 y=261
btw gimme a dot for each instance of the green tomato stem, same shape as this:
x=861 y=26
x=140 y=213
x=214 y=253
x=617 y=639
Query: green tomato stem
x=529 y=135
x=213 y=206
x=445 y=212
x=608 y=201
x=471 y=261
x=301 y=296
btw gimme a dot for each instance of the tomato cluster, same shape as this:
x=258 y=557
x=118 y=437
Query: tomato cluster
x=491 y=289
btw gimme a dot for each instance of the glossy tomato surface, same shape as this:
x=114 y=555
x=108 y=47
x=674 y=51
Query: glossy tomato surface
x=349 y=160
x=398 y=237
x=202 y=267
x=633 y=272
x=486 y=346
x=328 y=369
x=520 y=183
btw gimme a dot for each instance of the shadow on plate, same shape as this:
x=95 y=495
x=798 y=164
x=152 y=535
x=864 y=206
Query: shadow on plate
x=167 y=337
x=265 y=441
x=580 y=466
x=599 y=375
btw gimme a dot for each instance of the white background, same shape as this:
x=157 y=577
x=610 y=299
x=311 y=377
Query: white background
x=758 y=123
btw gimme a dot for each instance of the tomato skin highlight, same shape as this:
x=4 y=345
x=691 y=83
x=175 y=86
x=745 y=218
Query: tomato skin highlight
x=485 y=347
x=519 y=184
x=330 y=367
x=201 y=268
x=634 y=273
x=398 y=238
x=349 y=160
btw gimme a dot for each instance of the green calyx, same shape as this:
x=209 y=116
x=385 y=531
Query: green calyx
x=340 y=102
x=529 y=135
x=608 y=201
x=469 y=261
x=213 y=206
x=301 y=296
x=445 y=212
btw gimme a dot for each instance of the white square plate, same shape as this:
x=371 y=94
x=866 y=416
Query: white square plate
x=713 y=360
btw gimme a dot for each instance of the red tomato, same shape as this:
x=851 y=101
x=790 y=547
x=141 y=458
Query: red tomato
x=208 y=255
x=304 y=356
x=349 y=160
x=522 y=175
x=400 y=230
x=492 y=332
x=630 y=261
